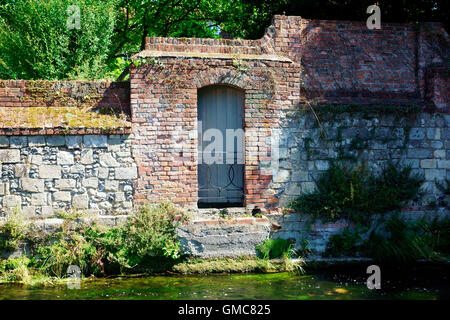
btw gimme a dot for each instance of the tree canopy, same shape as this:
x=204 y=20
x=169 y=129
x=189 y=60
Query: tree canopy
x=36 y=43
x=251 y=17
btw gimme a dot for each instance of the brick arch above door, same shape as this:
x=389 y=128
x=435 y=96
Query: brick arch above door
x=222 y=76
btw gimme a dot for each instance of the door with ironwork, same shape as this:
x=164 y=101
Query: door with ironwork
x=221 y=146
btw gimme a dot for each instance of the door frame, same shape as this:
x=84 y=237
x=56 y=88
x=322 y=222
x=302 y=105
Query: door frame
x=244 y=184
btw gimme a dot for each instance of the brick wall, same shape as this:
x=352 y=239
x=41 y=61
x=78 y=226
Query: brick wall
x=297 y=60
x=164 y=101
x=344 y=62
x=43 y=93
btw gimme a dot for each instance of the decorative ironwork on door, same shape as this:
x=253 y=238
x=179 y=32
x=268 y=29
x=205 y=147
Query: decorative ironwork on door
x=221 y=147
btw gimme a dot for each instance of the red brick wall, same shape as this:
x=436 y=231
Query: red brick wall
x=222 y=46
x=438 y=87
x=43 y=93
x=345 y=62
x=164 y=99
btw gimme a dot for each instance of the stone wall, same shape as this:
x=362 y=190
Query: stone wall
x=44 y=174
x=223 y=237
x=307 y=146
x=314 y=235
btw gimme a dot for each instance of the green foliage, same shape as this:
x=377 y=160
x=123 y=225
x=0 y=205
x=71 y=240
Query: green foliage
x=250 y=18
x=146 y=242
x=152 y=232
x=349 y=192
x=345 y=242
x=68 y=248
x=274 y=248
x=339 y=190
x=444 y=186
x=70 y=215
x=35 y=42
x=142 y=61
x=167 y=18
x=12 y=231
x=239 y=264
x=395 y=241
x=15 y=270
x=408 y=242
x=395 y=187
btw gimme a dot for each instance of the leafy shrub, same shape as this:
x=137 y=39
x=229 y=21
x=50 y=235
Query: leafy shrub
x=344 y=243
x=339 y=190
x=444 y=186
x=274 y=248
x=12 y=231
x=15 y=270
x=67 y=249
x=349 y=192
x=406 y=242
x=394 y=187
x=396 y=242
x=146 y=242
x=152 y=232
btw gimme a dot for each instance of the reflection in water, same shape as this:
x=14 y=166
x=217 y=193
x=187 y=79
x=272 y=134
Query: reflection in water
x=321 y=285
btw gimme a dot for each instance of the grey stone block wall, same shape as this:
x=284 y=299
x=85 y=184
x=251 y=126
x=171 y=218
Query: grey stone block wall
x=44 y=174
x=306 y=148
x=235 y=237
x=314 y=235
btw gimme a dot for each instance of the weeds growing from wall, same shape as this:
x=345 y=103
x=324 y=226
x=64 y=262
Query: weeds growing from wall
x=353 y=192
x=396 y=241
x=13 y=231
x=345 y=242
x=274 y=248
x=146 y=243
x=409 y=242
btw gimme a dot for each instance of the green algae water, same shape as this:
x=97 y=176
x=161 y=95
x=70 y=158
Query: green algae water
x=429 y=284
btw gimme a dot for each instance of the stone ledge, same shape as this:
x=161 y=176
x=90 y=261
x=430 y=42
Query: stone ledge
x=51 y=225
x=213 y=55
x=232 y=221
x=223 y=238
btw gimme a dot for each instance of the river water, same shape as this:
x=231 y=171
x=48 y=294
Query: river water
x=330 y=284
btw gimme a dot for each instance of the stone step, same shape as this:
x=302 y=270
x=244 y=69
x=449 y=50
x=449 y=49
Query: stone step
x=223 y=237
x=52 y=225
x=213 y=214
